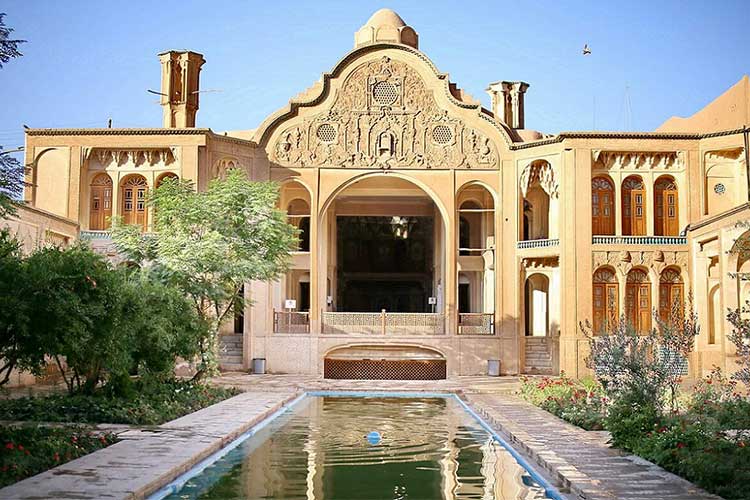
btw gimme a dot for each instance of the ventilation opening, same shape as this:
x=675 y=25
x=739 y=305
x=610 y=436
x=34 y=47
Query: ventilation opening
x=384 y=93
x=388 y=362
x=385 y=369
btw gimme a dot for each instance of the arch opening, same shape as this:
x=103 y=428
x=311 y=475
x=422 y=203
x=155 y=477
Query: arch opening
x=382 y=241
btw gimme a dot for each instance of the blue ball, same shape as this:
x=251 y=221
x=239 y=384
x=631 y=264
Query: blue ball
x=373 y=437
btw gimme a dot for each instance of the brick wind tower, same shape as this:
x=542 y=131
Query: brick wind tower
x=180 y=83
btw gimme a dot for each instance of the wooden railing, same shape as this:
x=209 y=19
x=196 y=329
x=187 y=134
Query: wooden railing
x=291 y=322
x=476 y=324
x=383 y=323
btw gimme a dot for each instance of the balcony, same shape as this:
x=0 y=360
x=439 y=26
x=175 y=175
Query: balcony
x=639 y=240
x=95 y=235
x=291 y=322
x=383 y=323
x=522 y=245
x=476 y=324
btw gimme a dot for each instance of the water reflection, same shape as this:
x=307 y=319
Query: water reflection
x=428 y=448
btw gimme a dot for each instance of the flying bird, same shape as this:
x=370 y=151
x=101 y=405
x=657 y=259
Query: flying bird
x=586 y=49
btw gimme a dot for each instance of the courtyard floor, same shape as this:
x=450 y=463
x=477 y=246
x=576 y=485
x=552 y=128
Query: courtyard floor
x=579 y=461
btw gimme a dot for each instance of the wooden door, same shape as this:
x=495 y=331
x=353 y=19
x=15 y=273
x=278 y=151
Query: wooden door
x=671 y=294
x=134 y=210
x=606 y=299
x=638 y=305
x=633 y=207
x=602 y=207
x=100 y=211
x=666 y=214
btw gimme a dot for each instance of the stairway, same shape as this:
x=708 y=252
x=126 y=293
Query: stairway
x=538 y=356
x=230 y=352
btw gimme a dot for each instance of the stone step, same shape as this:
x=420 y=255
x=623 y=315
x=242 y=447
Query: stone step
x=224 y=359
x=230 y=345
x=231 y=367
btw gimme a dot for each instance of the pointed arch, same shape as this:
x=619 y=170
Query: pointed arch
x=633 y=206
x=666 y=210
x=100 y=205
x=133 y=193
x=605 y=299
x=602 y=206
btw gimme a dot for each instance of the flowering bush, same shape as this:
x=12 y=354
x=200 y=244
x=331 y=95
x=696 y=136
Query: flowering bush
x=30 y=450
x=153 y=403
x=580 y=402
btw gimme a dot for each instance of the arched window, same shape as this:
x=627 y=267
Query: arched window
x=134 y=210
x=671 y=294
x=298 y=213
x=602 y=206
x=166 y=175
x=606 y=299
x=539 y=190
x=100 y=212
x=464 y=236
x=537 y=305
x=714 y=314
x=666 y=215
x=638 y=300
x=633 y=207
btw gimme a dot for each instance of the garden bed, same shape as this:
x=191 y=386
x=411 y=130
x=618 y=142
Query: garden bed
x=706 y=441
x=29 y=450
x=144 y=404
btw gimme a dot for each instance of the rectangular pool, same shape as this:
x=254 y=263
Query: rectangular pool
x=340 y=446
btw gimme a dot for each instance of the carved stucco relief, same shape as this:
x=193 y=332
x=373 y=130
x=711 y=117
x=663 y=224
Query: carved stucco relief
x=384 y=117
x=625 y=260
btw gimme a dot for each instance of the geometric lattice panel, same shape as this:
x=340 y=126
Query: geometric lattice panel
x=384 y=369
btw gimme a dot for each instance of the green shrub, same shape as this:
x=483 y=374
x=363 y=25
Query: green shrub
x=579 y=402
x=30 y=450
x=153 y=403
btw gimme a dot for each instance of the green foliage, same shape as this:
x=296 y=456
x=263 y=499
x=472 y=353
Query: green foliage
x=644 y=366
x=28 y=450
x=11 y=184
x=8 y=47
x=740 y=337
x=19 y=347
x=209 y=243
x=151 y=403
x=99 y=322
x=629 y=418
x=581 y=403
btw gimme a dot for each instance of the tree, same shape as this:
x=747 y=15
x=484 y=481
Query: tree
x=8 y=48
x=210 y=243
x=11 y=184
x=11 y=170
x=740 y=317
x=18 y=347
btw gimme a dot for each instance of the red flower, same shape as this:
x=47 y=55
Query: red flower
x=741 y=444
x=56 y=457
x=20 y=447
x=9 y=446
x=680 y=445
x=662 y=429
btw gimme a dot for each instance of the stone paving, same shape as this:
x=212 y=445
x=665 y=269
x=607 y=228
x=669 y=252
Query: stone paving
x=580 y=460
x=147 y=459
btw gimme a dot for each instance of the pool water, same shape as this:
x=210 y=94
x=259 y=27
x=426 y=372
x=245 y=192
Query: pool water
x=338 y=447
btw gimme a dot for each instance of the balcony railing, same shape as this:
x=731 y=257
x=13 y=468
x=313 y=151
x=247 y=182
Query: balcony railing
x=639 y=240
x=95 y=235
x=538 y=244
x=476 y=324
x=383 y=323
x=291 y=322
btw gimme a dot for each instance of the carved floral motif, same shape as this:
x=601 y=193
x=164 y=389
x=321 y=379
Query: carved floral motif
x=384 y=117
x=136 y=157
x=638 y=159
x=624 y=260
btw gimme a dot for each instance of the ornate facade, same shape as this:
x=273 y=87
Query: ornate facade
x=485 y=241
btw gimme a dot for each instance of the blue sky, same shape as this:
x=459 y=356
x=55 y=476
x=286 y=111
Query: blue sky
x=87 y=61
